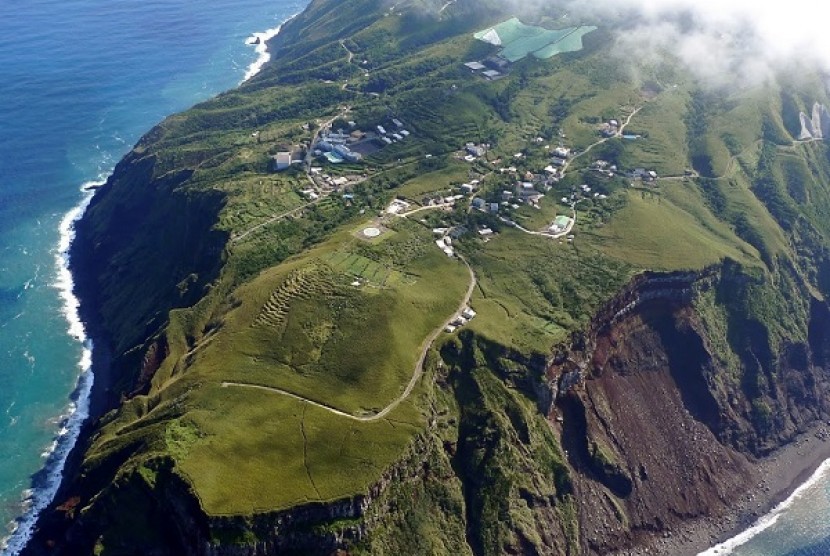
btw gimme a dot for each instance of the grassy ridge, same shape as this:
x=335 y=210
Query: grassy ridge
x=299 y=303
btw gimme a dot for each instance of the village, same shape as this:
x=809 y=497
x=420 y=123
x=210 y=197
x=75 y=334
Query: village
x=501 y=189
x=484 y=193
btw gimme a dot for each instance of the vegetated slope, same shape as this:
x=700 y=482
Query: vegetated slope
x=610 y=387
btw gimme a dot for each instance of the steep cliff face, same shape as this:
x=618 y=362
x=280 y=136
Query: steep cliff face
x=657 y=428
x=145 y=246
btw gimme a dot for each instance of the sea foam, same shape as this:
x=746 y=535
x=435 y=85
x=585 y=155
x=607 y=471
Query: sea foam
x=262 y=49
x=37 y=498
x=768 y=520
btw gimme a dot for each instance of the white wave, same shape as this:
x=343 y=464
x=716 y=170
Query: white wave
x=78 y=410
x=262 y=48
x=768 y=520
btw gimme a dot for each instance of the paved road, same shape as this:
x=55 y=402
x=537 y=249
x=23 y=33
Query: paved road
x=419 y=366
x=603 y=140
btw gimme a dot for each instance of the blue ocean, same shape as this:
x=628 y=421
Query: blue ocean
x=800 y=526
x=80 y=82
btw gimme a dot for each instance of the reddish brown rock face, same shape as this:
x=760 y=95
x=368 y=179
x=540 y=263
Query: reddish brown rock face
x=653 y=433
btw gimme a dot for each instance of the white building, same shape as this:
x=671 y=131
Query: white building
x=282 y=161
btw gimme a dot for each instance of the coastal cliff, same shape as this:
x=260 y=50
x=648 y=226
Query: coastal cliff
x=260 y=397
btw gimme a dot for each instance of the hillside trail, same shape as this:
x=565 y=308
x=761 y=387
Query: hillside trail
x=413 y=381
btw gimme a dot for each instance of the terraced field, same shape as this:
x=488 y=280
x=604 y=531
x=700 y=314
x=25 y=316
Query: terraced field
x=304 y=283
x=367 y=269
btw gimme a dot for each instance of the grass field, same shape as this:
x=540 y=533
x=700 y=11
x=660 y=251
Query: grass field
x=664 y=148
x=269 y=452
x=302 y=327
x=439 y=181
x=669 y=230
x=534 y=291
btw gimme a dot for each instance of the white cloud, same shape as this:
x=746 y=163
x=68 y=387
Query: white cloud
x=722 y=40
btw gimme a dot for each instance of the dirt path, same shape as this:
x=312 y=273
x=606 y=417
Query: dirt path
x=273 y=219
x=346 y=48
x=427 y=207
x=416 y=375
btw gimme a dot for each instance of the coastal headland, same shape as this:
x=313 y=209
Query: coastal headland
x=453 y=281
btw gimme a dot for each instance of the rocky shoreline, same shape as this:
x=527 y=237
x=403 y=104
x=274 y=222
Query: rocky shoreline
x=778 y=476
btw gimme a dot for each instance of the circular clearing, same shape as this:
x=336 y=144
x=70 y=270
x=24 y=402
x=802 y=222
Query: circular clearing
x=371 y=232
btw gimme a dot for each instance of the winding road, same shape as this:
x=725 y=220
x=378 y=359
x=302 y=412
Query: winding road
x=416 y=375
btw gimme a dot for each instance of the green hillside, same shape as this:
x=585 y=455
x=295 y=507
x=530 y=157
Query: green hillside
x=282 y=374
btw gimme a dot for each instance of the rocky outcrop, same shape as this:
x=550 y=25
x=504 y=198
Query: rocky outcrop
x=817 y=126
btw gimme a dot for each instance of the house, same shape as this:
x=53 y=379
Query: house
x=557 y=162
x=397 y=206
x=397 y=123
x=494 y=207
x=492 y=75
x=397 y=137
x=467 y=188
x=484 y=232
x=387 y=140
x=450 y=329
x=475 y=150
x=282 y=161
x=475 y=66
x=405 y=133
x=468 y=314
x=381 y=130
x=525 y=189
x=478 y=203
x=562 y=152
